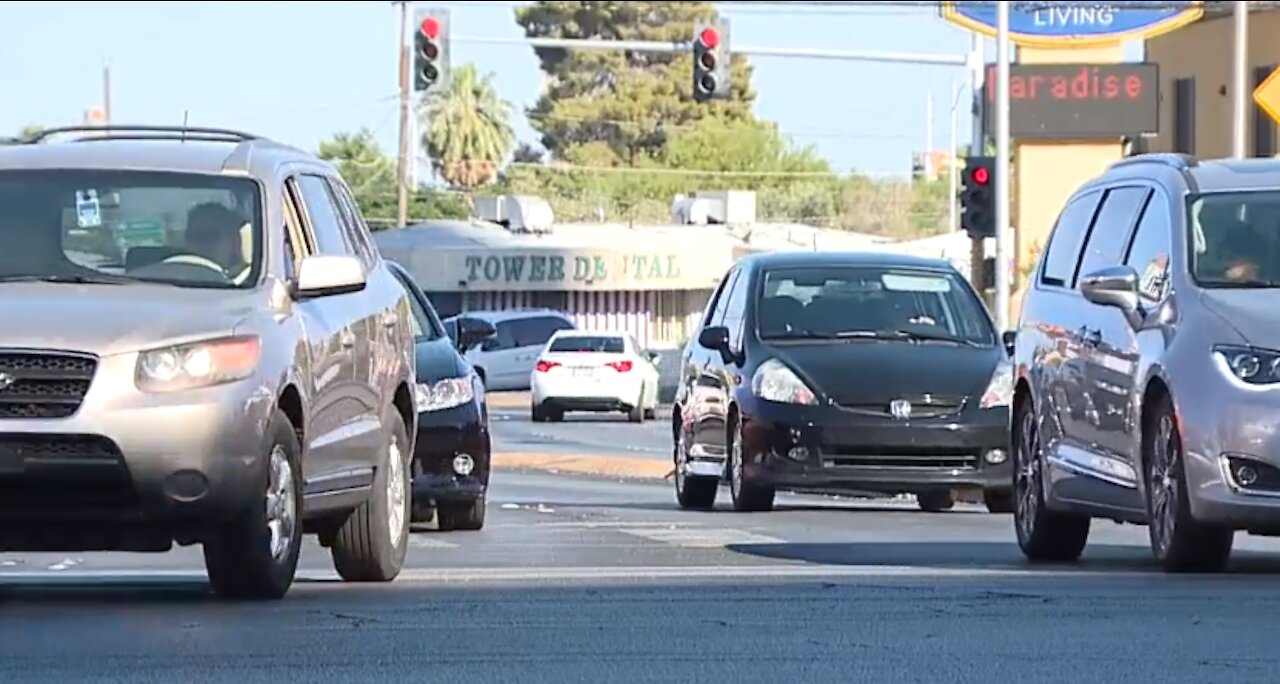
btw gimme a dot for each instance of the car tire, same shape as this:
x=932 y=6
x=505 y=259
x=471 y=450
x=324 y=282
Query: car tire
x=1179 y=542
x=748 y=497
x=538 y=414
x=636 y=414
x=936 y=501
x=461 y=515
x=1043 y=535
x=372 y=543
x=239 y=557
x=998 y=500
x=692 y=492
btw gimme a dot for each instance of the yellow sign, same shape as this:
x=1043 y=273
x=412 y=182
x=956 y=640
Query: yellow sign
x=1267 y=95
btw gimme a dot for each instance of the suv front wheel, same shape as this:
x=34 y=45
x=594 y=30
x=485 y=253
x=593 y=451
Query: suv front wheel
x=371 y=545
x=255 y=556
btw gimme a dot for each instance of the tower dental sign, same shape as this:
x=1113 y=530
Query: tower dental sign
x=1080 y=101
x=541 y=270
x=1075 y=24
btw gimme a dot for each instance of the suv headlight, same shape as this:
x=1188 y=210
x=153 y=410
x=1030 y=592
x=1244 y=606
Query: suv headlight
x=1000 y=389
x=773 y=381
x=1253 y=366
x=443 y=394
x=196 y=365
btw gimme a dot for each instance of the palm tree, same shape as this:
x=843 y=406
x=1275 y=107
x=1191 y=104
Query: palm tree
x=468 y=129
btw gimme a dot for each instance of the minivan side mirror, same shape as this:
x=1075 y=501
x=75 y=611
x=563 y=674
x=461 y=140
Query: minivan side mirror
x=327 y=275
x=1112 y=286
x=472 y=331
x=715 y=338
x=1009 y=338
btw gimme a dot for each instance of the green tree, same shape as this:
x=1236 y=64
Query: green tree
x=30 y=130
x=469 y=131
x=617 y=97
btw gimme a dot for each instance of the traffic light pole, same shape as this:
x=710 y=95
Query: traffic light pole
x=1002 y=165
x=402 y=165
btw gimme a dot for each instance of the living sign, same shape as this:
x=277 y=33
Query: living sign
x=1074 y=24
x=555 y=268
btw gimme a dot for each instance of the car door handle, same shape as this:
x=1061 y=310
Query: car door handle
x=347 y=338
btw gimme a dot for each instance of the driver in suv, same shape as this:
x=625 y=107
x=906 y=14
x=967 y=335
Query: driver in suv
x=231 y=382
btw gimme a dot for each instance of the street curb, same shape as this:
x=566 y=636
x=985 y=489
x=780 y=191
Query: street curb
x=607 y=466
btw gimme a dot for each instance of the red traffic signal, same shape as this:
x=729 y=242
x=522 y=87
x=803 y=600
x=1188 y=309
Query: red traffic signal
x=710 y=37
x=981 y=176
x=431 y=28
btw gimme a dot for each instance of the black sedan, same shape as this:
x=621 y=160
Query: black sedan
x=451 y=458
x=843 y=373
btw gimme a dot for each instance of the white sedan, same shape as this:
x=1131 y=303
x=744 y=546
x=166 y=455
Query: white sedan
x=581 y=370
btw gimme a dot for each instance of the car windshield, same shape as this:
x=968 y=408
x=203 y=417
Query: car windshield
x=584 y=343
x=864 y=301
x=1235 y=239
x=129 y=226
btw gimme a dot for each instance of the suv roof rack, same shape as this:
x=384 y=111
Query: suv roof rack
x=134 y=132
x=1175 y=160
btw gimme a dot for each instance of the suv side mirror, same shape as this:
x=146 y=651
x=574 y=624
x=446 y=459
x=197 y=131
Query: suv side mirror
x=715 y=338
x=1009 y=338
x=1112 y=286
x=472 y=332
x=326 y=275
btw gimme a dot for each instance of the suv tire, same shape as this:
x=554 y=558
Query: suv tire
x=238 y=556
x=461 y=515
x=1043 y=535
x=372 y=543
x=1179 y=542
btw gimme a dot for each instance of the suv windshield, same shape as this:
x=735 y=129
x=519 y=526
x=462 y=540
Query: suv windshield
x=582 y=343
x=861 y=301
x=1235 y=239
x=127 y=226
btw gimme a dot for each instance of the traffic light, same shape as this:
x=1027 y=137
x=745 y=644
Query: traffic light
x=711 y=60
x=978 y=197
x=430 y=49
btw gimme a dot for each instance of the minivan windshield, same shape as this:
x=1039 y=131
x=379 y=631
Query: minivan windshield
x=121 y=227
x=870 y=301
x=1235 y=239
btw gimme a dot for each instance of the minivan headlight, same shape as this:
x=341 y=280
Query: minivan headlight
x=774 y=381
x=1254 y=366
x=443 y=394
x=196 y=365
x=1000 y=389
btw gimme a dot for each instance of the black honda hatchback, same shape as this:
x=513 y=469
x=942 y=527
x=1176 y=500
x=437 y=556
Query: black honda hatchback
x=843 y=373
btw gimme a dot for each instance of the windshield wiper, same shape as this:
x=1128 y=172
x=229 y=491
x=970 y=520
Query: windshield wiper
x=97 y=279
x=1242 y=284
x=906 y=335
x=800 y=335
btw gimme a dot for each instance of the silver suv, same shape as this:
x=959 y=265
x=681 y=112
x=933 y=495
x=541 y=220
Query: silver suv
x=201 y=346
x=1148 y=363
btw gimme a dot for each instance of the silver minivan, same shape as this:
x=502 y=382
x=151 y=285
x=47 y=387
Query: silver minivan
x=506 y=359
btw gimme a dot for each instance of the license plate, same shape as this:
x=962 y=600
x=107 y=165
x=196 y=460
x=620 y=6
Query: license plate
x=583 y=372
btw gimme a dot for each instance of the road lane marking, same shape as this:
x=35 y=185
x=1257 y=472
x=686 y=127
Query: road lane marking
x=695 y=538
x=419 y=541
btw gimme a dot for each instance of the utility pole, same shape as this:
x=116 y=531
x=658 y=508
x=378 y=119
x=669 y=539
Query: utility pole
x=953 y=174
x=1240 y=91
x=402 y=165
x=106 y=93
x=1002 y=165
x=928 y=135
x=977 y=146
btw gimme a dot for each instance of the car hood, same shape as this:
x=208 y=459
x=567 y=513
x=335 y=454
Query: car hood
x=878 y=371
x=1250 y=312
x=114 y=319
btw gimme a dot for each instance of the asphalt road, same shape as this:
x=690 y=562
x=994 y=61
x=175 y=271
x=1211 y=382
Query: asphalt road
x=582 y=580
x=601 y=434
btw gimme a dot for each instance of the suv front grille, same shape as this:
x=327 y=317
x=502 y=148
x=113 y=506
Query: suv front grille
x=43 y=384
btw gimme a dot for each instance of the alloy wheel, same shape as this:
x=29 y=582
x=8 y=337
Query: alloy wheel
x=1162 y=482
x=281 y=504
x=1027 y=475
x=396 y=493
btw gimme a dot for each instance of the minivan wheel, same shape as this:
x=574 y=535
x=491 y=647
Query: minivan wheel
x=1178 y=542
x=1043 y=535
x=371 y=545
x=255 y=556
x=747 y=497
x=936 y=501
x=692 y=492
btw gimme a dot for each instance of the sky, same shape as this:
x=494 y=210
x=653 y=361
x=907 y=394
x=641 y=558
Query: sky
x=301 y=72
